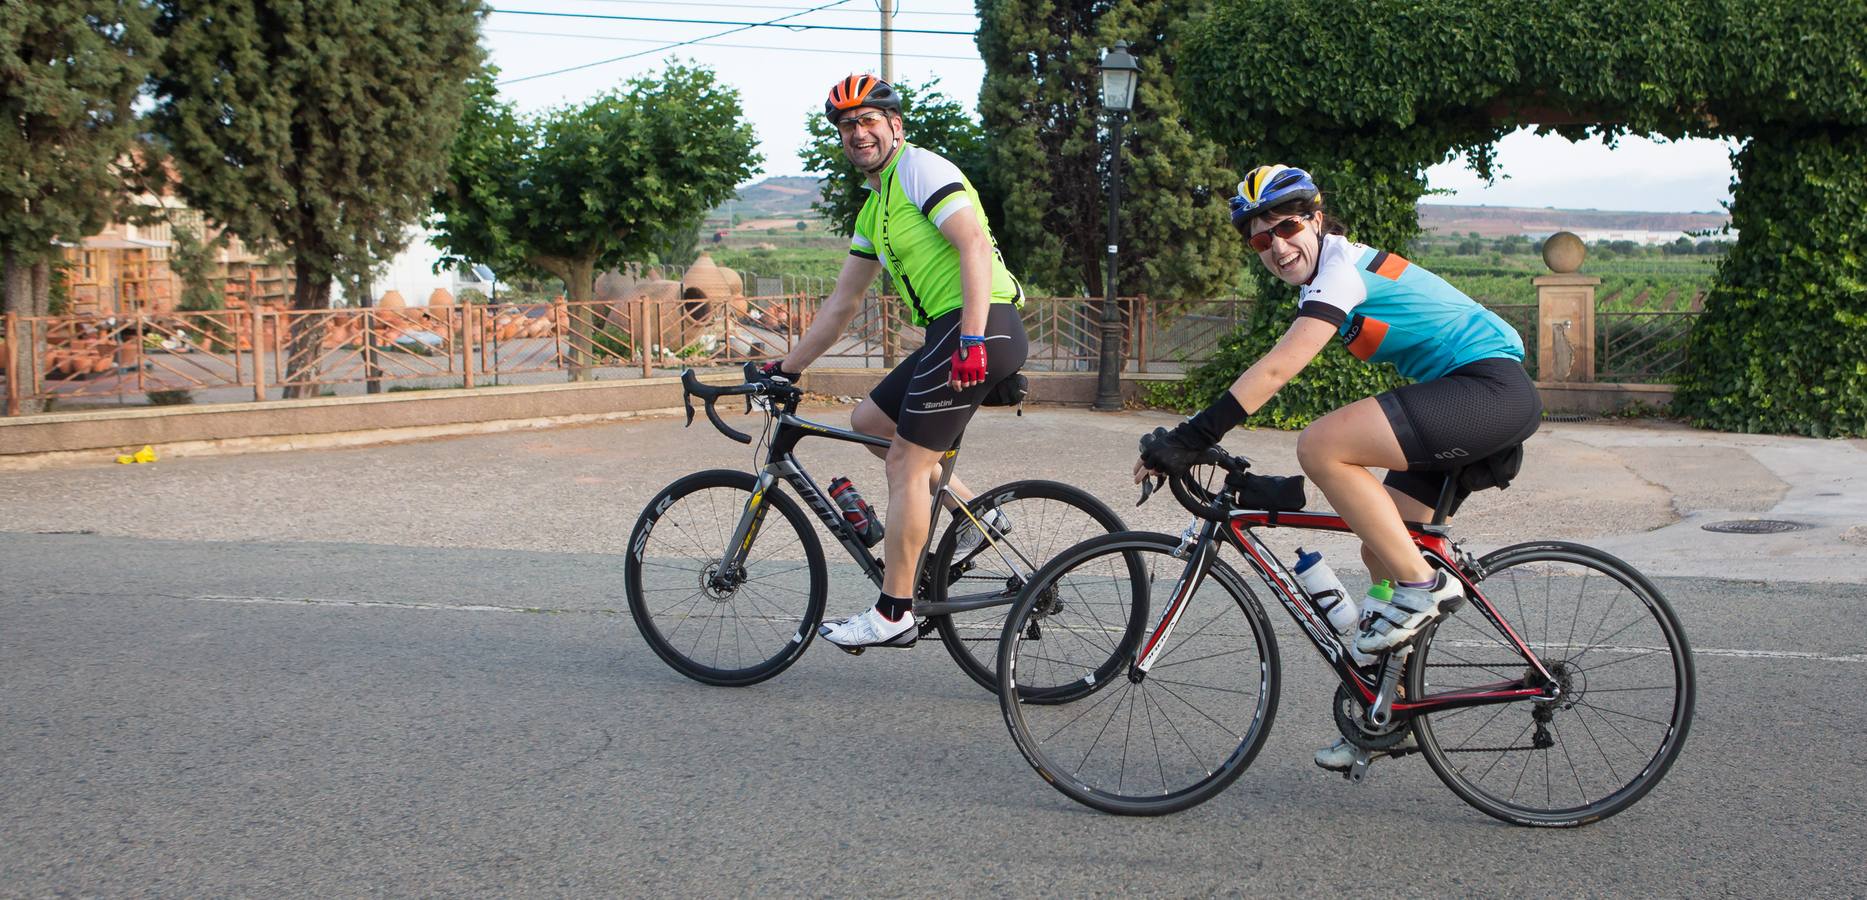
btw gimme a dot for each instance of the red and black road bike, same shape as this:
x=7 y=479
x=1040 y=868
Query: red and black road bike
x=1557 y=695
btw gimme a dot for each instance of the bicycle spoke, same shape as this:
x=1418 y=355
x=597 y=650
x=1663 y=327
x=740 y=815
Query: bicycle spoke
x=1204 y=687
x=1616 y=705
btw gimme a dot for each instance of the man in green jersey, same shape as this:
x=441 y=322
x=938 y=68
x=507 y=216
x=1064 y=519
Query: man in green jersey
x=924 y=222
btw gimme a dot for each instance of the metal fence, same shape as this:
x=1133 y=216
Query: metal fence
x=1647 y=347
x=235 y=355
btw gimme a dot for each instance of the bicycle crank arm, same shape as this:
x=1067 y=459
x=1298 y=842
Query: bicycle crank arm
x=1381 y=711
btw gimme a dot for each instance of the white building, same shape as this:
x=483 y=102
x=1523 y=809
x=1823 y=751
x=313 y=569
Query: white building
x=412 y=273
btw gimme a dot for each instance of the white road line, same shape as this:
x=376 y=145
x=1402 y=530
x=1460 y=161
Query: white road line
x=1855 y=658
x=388 y=604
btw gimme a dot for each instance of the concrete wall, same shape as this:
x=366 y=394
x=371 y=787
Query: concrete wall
x=330 y=421
x=31 y=441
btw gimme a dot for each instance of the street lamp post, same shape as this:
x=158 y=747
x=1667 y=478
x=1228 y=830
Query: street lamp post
x=1119 y=73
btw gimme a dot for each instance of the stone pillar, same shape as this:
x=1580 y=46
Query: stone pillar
x=1565 y=314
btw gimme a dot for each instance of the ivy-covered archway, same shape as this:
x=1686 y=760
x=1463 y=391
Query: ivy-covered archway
x=1368 y=95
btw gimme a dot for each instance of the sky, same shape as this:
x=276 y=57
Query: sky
x=783 y=74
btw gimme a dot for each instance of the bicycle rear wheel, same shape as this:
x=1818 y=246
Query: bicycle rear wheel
x=1614 y=645
x=1040 y=519
x=1136 y=746
x=726 y=628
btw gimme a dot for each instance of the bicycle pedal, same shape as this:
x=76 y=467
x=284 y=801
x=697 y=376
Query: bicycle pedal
x=1358 y=769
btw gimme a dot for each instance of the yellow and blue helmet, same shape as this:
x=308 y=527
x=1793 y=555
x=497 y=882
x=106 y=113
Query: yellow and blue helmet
x=1268 y=186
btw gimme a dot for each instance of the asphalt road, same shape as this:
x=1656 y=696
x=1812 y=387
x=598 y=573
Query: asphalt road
x=406 y=669
x=312 y=717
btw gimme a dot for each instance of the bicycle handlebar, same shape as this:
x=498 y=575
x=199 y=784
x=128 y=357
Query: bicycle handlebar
x=1197 y=500
x=754 y=386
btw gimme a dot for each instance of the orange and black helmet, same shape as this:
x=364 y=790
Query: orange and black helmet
x=860 y=90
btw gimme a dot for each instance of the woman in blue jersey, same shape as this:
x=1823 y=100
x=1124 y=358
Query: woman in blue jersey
x=1470 y=403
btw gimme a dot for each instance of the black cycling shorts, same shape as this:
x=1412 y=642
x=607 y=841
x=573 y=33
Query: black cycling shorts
x=1474 y=418
x=919 y=394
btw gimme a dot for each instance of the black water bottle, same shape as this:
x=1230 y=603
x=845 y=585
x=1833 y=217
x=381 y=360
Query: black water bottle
x=856 y=511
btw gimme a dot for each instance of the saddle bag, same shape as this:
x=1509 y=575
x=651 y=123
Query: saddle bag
x=1009 y=391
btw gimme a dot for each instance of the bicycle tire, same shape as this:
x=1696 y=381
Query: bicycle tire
x=1048 y=517
x=1052 y=755
x=765 y=614
x=1598 y=712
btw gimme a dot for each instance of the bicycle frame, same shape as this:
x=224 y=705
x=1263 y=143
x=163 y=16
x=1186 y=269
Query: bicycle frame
x=782 y=464
x=1375 y=690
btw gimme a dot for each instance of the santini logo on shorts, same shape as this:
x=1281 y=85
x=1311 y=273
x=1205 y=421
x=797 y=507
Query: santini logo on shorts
x=937 y=404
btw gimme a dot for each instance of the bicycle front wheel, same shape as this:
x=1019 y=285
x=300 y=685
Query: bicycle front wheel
x=1620 y=657
x=724 y=624
x=1120 y=741
x=1035 y=520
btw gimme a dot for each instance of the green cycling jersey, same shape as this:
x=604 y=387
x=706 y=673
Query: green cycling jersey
x=900 y=226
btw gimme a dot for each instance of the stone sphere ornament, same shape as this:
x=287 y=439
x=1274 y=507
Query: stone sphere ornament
x=1563 y=252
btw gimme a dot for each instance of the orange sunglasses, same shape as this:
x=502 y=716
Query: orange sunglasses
x=1286 y=229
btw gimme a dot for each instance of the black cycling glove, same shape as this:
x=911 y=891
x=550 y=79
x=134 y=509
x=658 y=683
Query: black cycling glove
x=1174 y=451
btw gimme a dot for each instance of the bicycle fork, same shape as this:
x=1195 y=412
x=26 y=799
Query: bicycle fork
x=1202 y=552
x=731 y=566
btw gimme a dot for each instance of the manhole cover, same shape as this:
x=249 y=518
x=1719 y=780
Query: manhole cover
x=1754 y=526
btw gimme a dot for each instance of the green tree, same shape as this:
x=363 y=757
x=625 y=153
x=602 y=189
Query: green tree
x=320 y=128
x=1045 y=125
x=582 y=189
x=933 y=121
x=69 y=72
x=1369 y=102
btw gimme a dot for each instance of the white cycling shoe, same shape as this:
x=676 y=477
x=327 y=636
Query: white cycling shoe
x=1338 y=756
x=870 y=628
x=1391 y=624
x=969 y=537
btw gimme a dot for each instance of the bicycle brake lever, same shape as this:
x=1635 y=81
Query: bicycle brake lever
x=1148 y=486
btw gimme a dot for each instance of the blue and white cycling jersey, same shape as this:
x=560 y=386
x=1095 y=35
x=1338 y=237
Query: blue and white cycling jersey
x=1389 y=310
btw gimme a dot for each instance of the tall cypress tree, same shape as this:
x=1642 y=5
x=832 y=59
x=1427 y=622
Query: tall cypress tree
x=69 y=70
x=1042 y=109
x=322 y=128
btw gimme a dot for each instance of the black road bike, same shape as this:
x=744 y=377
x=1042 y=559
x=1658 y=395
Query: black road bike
x=1557 y=693
x=727 y=580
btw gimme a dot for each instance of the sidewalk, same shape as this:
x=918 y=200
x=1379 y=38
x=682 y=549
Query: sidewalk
x=1640 y=490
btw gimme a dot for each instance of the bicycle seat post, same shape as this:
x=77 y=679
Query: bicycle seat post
x=1447 y=492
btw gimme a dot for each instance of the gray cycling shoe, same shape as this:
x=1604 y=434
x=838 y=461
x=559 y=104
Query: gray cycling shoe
x=969 y=537
x=1338 y=756
x=1391 y=624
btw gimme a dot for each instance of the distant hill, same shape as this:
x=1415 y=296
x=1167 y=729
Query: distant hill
x=790 y=196
x=1501 y=221
x=779 y=197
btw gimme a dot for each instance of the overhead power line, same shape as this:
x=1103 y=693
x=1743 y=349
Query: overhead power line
x=770 y=8
x=665 y=47
x=811 y=50
x=772 y=24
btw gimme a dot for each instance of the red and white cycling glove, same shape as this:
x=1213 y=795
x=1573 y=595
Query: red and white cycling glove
x=969 y=362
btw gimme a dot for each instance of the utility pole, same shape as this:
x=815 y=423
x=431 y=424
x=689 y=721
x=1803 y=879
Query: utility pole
x=888 y=40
